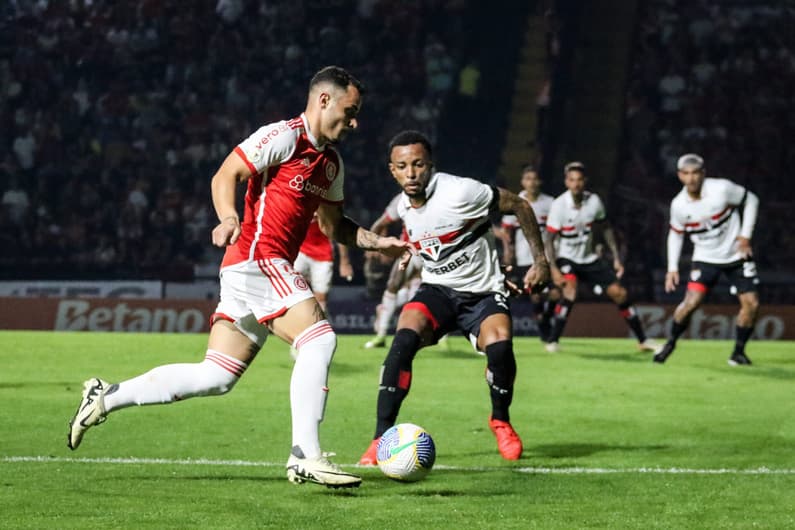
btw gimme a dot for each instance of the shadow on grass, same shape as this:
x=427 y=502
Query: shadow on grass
x=578 y=450
x=757 y=370
x=634 y=357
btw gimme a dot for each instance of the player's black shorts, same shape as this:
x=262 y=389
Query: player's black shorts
x=597 y=273
x=451 y=310
x=741 y=275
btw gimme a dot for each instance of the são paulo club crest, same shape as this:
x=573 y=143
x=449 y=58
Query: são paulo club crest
x=431 y=246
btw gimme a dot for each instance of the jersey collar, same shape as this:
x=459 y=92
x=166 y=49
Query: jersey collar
x=309 y=134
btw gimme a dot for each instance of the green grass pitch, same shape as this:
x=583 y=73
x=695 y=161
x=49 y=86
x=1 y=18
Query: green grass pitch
x=611 y=440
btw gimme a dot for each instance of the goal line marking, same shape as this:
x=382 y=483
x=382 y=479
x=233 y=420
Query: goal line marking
x=529 y=470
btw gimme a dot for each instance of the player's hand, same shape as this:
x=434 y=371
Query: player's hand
x=396 y=248
x=537 y=277
x=346 y=271
x=744 y=247
x=671 y=281
x=513 y=288
x=227 y=232
x=618 y=267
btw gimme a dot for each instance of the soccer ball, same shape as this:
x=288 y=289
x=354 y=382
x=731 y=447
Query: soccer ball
x=406 y=452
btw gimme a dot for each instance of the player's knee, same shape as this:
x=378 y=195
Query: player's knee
x=219 y=373
x=501 y=365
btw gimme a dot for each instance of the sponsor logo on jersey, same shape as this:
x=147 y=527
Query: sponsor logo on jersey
x=451 y=265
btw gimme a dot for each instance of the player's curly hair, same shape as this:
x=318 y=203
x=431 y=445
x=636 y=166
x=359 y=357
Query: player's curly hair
x=407 y=138
x=338 y=77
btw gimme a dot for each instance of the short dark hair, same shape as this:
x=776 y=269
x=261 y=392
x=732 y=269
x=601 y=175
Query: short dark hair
x=407 y=138
x=337 y=76
x=529 y=167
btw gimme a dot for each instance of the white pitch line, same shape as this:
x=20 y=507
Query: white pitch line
x=529 y=470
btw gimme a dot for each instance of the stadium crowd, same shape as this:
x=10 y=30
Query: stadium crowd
x=715 y=78
x=114 y=116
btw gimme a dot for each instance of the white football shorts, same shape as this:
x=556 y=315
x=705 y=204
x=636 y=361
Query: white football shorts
x=254 y=292
x=318 y=273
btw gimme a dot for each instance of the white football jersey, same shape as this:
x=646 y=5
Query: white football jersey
x=453 y=234
x=574 y=226
x=524 y=257
x=712 y=222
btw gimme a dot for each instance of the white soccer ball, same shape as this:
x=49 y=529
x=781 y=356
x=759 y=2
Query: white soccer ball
x=406 y=452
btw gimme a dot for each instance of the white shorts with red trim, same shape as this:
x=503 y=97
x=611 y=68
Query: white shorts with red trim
x=254 y=292
x=318 y=273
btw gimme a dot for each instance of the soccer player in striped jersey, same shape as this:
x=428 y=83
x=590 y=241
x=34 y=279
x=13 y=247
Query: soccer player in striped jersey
x=516 y=250
x=719 y=217
x=572 y=218
x=446 y=218
x=292 y=171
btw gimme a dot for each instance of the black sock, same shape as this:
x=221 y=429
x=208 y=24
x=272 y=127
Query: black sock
x=677 y=328
x=562 y=311
x=500 y=375
x=395 y=378
x=631 y=316
x=742 y=334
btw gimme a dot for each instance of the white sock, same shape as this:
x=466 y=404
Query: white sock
x=309 y=385
x=388 y=304
x=215 y=375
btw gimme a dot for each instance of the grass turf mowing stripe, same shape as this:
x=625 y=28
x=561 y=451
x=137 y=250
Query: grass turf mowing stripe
x=530 y=470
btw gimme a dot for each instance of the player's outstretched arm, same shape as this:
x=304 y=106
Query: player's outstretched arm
x=346 y=231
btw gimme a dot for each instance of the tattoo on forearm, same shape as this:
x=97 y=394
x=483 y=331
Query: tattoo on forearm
x=365 y=239
x=527 y=221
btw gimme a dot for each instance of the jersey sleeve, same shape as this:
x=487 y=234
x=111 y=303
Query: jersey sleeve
x=391 y=210
x=336 y=192
x=735 y=194
x=553 y=218
x=601 y=213
x=676 y=224
x=474 y=198
x=269 y=145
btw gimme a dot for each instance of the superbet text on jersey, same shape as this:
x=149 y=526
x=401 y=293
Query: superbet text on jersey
x=453 y=235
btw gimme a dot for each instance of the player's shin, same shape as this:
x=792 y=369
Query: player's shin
x=562 y=311
x=309 y=386
x=395 y=378
x=216 y=375
x=742 y=336
x=630 y=315
x=500 y=376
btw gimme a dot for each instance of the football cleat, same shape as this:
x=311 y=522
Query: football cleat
x=552 y=347
x=90 y=412
x=508 y=442
x=379 y=341
x=650 y=345
x=739 y=358
x=320 y=471
x=664 y=353
x=370 y=457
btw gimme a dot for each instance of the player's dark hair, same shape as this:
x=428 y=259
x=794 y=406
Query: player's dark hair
x=407 y=138
x=529 y=167
x=338 y=77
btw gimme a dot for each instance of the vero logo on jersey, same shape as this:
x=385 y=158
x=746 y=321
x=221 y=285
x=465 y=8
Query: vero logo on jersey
x=431 y=246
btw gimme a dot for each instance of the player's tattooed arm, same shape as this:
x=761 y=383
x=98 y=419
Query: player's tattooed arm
x=511 y=202
x=344 y=230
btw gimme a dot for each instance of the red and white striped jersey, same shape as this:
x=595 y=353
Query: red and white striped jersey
x=453 y=234
x=316 y=245
x=290 y=176
x=712 y=221
x=521 y=248
x=574 y=225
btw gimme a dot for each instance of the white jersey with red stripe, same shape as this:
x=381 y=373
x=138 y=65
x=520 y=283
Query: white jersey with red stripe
x=453 y=235
x=524 y=256
x=574 y=225
x=290 y=176
x=712 y=221
x=316 y=244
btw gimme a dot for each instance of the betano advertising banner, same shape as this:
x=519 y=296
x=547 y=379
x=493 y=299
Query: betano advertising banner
x=356 y=316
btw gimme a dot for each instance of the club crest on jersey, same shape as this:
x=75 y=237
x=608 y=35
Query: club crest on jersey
x=331 y=171
x=431 y=246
